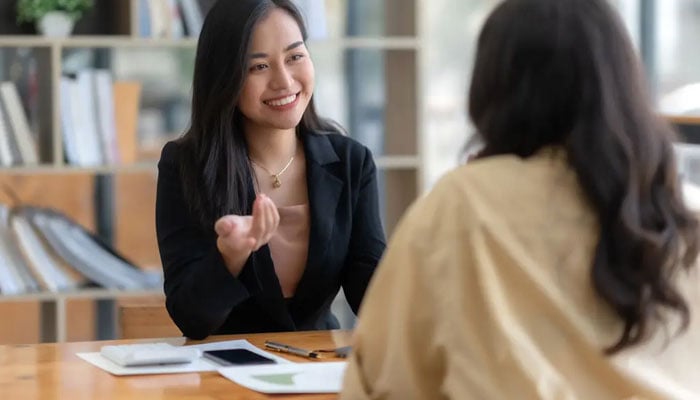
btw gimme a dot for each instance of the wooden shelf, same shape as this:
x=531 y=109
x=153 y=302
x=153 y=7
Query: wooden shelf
x=92 y=293
x=382 y=162
x=93 y=42
x=683 y=119
x=63 y=169
x=386 y=43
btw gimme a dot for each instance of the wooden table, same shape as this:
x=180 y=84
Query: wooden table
x=53 y=371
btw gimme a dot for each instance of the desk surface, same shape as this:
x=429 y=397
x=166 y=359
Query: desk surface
x=53 y=371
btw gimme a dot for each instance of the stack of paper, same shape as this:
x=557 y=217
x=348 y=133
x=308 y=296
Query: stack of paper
x=311 y=377
x=200 y=365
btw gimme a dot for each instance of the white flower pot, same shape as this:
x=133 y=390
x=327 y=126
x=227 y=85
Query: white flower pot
x=56 y=24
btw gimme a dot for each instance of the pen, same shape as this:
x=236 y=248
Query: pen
x=284 y=348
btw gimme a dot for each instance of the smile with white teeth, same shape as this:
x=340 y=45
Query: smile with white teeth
x=281 y=102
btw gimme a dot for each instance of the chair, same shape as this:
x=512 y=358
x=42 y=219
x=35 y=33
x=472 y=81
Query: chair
x=146 y=319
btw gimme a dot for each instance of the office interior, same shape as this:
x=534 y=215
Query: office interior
x=394 y=73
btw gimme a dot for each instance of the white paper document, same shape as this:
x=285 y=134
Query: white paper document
x=309 y=377
x=199 y=365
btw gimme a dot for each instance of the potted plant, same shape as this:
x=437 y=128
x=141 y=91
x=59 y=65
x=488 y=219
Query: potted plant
x=52 y=17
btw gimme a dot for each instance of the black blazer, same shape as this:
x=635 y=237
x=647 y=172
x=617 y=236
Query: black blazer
x=346 y=241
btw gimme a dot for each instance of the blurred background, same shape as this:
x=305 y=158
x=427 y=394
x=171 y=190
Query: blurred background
x=83 y=119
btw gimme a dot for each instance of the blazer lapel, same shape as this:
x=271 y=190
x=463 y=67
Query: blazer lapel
x=324 y=190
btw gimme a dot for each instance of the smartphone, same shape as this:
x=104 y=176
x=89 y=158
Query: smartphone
x=237 y=357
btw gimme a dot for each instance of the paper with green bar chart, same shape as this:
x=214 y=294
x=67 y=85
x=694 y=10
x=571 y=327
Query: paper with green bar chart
x=310 y=377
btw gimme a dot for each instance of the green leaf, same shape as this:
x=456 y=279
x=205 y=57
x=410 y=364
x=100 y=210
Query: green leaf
x=278 y=379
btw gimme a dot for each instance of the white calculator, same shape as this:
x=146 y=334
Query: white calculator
x=140 y=354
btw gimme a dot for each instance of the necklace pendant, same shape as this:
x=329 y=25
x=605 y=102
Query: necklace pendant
x=276 y=183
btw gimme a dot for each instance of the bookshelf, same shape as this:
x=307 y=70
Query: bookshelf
x=112 y=26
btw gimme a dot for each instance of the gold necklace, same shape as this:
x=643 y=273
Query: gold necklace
x=276 y=182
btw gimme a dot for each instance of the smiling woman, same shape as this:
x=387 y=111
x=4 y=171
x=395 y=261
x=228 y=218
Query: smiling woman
x=263 y=209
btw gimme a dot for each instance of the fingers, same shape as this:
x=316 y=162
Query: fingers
x=250 y=243
x=224 y=225
x=249 y=232
x=235 y=230
x=265 y=220
x=258 y=225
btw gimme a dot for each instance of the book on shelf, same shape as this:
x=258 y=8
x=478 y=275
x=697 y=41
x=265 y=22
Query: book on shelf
x=126 y=99
x=104 y=95
x=85 y=118
x=12 y=141
x=98 y=118
x=46 y=267
x=176 y=27
x=15 y=121
x=77 y=139
x=7 y=155
x=160 y=18
x=89 y=255
x=192 y=14
x=15 y=277
x=144 y=18
x=42 y=249
x=171 y=18
x=68 y=91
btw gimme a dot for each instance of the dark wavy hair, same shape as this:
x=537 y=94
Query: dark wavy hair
x=216 y=172
x=564 y=72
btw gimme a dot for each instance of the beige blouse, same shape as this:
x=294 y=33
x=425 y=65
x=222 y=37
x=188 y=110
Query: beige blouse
x=485 y=293
x=289 y=246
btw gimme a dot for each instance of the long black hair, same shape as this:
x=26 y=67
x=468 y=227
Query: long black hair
x=564 y=72
x=216 y=173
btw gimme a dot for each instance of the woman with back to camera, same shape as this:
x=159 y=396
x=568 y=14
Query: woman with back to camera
x=263 y=209
x=559 y=264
